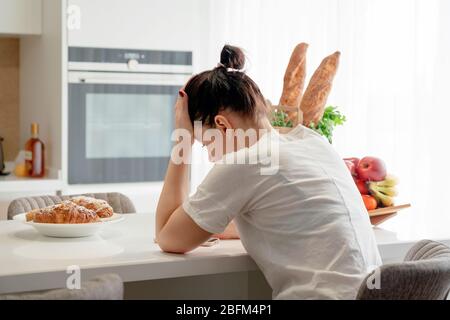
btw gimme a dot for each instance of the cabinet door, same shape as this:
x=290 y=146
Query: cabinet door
x=143 y=24
x=20 y=17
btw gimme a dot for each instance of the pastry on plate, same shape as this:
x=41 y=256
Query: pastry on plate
x=65 y=212
x=30 y=214
x=99 y=206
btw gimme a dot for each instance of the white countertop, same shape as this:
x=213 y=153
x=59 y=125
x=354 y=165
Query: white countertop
x=11 y=184
x=29 y=261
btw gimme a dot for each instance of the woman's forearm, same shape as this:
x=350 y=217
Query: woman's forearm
x=174 y=192
x=176 y=182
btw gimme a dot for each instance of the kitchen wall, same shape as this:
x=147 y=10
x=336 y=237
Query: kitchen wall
x=9 y=96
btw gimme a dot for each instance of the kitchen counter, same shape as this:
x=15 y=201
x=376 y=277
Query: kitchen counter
x=29 y=261
x=11 y=183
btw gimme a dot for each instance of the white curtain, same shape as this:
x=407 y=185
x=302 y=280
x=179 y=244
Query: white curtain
x=393 y=83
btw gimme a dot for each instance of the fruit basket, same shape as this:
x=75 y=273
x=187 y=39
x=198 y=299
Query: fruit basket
x=380 y=215
x=378 y=189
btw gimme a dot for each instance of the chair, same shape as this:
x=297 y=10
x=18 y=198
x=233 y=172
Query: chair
x=118 y=201
x=424 y=275
x=104 y=287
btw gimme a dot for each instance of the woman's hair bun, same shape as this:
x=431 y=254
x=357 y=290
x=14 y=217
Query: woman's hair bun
x=232 y=57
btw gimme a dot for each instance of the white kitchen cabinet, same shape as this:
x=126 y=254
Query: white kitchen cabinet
x=141 y=24
x=20 y=17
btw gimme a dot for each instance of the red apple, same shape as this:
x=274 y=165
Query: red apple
x=362 y=186
x=371 y=169
x=351 y=167
x=354 y=160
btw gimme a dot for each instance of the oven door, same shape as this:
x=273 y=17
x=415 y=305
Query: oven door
x=120 y=126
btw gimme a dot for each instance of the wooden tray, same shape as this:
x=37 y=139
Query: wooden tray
x=380 y=215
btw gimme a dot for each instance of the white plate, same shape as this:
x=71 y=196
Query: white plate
x=70 y=230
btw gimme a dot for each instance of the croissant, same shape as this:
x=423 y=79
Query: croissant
x=65 y=212
x=99 y=206
x=30 y=215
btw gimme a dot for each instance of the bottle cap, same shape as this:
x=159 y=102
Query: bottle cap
x=34 y=129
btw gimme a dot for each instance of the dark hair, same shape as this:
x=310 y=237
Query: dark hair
x=223 y=88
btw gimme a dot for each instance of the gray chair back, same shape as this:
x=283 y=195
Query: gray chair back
x=104 y=287
x=424 y=275
x=118 y=201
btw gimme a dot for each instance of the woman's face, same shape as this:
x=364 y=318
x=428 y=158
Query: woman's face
x=231 y=133
x=215 y=147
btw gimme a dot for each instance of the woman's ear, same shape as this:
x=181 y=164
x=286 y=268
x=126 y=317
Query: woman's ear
x=222 y=122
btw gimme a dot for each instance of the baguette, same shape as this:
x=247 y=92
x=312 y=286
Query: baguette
x=319 y=87
x=294 y=79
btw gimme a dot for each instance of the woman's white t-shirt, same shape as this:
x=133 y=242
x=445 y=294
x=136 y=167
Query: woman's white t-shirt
x=304 y=225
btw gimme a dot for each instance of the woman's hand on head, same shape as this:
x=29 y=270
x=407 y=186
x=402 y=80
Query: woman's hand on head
x=182 y=119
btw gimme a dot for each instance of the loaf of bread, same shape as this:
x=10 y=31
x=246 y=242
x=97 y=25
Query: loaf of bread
x=294 y=79
x=315 y=97
x=65 y=212
x=99 y=206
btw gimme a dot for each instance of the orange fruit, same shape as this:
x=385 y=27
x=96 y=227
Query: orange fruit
x=369 y=201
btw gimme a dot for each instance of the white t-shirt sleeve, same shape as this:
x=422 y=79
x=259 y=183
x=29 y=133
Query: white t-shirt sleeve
x=221 y=196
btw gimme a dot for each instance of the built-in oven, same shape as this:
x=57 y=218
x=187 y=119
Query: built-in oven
x=120 y=112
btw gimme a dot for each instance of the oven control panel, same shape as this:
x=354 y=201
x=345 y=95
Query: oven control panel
x=129 y=60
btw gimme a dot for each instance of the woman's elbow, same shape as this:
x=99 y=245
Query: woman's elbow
x=169 y=247
x=176 y=250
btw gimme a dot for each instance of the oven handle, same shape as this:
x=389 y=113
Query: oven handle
x=127 y=78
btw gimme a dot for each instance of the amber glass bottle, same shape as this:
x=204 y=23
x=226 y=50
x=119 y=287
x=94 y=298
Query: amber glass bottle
x=34 y=154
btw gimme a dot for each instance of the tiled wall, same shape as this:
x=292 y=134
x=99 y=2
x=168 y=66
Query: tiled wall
x=9 y=96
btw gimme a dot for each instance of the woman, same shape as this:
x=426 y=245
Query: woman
x=305 y=225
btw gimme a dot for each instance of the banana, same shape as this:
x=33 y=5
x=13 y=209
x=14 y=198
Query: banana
x=389 y=191
x=385 y=200
x=389 y=181
x=384 y=190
